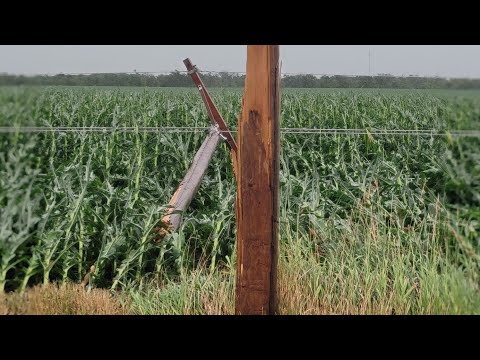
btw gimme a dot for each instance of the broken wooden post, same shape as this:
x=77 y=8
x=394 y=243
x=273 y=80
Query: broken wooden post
x=187 y=189
x=213 y=112
x=189 y=186
x=258 y=184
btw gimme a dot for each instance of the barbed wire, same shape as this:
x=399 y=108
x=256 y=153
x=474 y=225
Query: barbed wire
x=193 y=129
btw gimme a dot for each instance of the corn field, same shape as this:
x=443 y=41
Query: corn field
x=393 y=214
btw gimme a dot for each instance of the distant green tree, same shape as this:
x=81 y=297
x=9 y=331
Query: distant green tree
x=225 y=79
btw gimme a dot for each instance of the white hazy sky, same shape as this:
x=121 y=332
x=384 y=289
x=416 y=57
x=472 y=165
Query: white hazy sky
x=429 y=60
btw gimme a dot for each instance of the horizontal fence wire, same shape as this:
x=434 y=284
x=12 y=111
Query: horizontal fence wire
x=178 y=129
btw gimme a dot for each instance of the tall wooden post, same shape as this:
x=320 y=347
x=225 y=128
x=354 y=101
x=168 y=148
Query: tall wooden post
x=258 y=184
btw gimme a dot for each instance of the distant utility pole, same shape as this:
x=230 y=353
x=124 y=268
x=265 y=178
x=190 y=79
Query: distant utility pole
x=369 y=58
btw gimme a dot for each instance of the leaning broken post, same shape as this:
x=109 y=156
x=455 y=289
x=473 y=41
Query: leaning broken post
x=213 y=112
x=187 y=189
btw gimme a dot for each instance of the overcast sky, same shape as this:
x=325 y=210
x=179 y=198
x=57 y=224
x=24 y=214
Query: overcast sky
x=431 y=60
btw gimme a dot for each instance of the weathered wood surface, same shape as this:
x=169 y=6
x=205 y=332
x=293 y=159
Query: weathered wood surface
x=258 y=184
x=187 y=189
x=213 y=113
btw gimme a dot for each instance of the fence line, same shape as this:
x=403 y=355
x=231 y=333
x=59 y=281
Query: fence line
x=189 y=129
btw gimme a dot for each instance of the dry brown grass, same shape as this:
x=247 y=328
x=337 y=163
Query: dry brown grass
x=3 y=305
x=68 y=299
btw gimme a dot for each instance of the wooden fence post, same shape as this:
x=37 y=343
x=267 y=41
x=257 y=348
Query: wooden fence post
x=258 y=184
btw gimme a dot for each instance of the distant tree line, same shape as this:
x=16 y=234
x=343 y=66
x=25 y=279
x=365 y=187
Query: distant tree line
x=378 y=81
x=224 y=79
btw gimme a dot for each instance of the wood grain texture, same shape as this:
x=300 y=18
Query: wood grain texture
x=258 y=184
x=187 y=189
x=213 y=113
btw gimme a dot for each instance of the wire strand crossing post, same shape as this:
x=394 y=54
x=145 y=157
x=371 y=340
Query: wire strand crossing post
x=258 y=184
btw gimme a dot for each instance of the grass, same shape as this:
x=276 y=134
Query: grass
x=370 y=270
x=67 y=299
x=386 y=224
